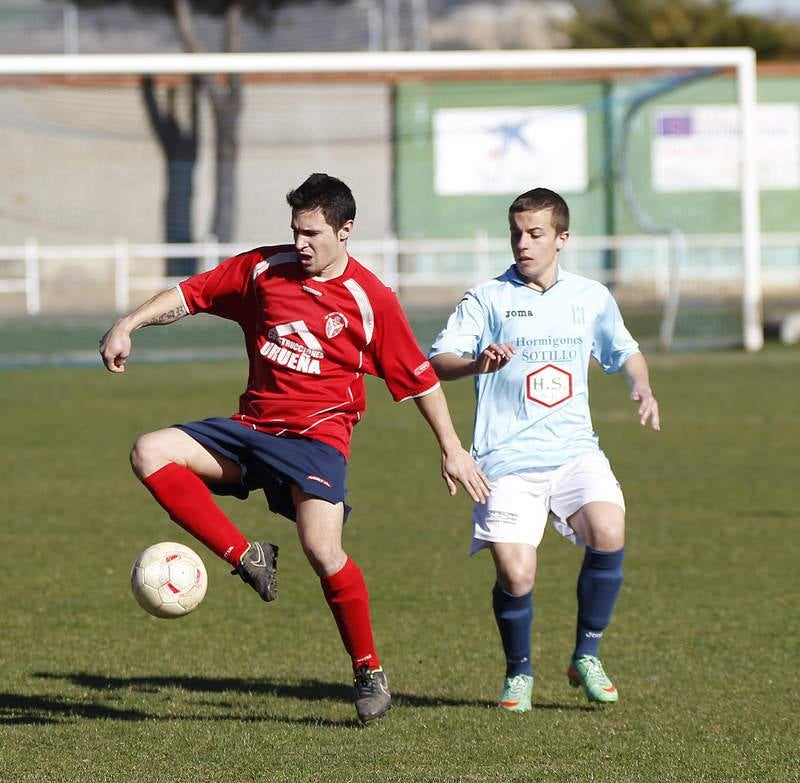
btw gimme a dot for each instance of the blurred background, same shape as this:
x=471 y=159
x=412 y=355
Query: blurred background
x=113 y=26
x=115 y=186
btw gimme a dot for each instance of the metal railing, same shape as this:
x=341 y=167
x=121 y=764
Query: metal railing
x=414 y=263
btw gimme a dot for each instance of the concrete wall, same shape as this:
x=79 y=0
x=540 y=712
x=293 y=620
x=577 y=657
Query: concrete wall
x=81 y=165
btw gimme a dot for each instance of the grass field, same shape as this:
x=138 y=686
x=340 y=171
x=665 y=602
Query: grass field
x=704 y=645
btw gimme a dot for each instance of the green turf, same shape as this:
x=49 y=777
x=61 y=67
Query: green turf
x=72 y=340
x=704 y=646
x=64 y=340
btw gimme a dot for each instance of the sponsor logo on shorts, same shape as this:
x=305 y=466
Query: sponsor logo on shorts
x=421 y=369
x=496 y=517
x=320 y=480
x=520 y=314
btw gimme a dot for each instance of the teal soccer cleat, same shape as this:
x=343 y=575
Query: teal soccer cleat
x=516 y=693
x=587 y=671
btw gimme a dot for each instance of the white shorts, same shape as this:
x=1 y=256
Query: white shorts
x=519 y=504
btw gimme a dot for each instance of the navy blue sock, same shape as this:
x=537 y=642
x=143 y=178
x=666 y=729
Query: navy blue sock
x=598 y=586
x=514 y=616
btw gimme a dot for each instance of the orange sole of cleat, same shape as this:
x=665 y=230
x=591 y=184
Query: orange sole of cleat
x=575 y=681
x=574 y=678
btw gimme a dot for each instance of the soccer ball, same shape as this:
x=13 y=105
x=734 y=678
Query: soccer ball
x=168 y=580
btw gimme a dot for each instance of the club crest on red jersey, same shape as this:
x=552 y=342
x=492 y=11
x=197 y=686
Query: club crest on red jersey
x=334 y=323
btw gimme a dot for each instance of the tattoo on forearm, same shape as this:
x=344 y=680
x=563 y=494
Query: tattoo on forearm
x=168 y=317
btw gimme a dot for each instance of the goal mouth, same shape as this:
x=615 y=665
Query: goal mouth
x=118 y=185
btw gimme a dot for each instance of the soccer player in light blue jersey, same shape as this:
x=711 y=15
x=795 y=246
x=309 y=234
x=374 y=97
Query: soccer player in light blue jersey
x=527 y=337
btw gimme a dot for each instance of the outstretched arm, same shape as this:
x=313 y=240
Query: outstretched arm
x=636 y=375
x=457 y=464
x=115 y=344
x=450 y=367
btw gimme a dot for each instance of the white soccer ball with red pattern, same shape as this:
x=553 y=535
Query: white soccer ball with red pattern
x=169 y=580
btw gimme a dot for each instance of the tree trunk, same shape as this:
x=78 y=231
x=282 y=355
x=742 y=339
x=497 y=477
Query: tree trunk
x=225 y=95
x=227 y=109
x=178 y=138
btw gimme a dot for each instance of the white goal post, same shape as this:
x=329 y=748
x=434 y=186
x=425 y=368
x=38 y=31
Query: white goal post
x=385 y=65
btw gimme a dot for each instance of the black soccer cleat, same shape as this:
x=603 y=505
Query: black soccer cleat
x=372 y=694
x=258 y=567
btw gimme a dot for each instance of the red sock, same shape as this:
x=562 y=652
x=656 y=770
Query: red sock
x=188 y=501
x=346 y=594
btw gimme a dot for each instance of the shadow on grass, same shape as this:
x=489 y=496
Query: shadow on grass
x=16 y=709
x=305 y=689
x=308 y=690
x=19 y=709
x=31 y=710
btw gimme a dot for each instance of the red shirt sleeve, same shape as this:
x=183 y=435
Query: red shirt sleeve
x=225 y=290
x=394 y=352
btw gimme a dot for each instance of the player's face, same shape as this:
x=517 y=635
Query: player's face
x=536 y=245
x=321 y=250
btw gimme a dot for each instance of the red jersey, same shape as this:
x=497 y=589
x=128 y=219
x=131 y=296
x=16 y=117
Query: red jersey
x=310 y=341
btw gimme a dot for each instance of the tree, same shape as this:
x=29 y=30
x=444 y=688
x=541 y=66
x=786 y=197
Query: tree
x=631 y=23
x=179 y=140
x=179 y=144
x=225 y=94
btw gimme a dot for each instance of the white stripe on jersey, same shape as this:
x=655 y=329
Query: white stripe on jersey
x=422 y=394
x=311 y=426
x=183 y=299
x=333 y=407
x=362 y=300
x=278 y=258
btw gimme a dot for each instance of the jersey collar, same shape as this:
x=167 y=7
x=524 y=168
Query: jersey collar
x=511 y=275
x=348 y=272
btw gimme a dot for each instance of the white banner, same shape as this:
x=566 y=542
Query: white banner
x=509 y=150
x=697 y=148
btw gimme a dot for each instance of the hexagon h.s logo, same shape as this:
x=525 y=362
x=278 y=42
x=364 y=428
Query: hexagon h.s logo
x=549 y=385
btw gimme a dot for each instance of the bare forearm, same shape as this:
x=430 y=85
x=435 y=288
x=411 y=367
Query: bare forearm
x=637 y=376
x=450 y=367
x=635 y=372
x=457 y=465
x=434 y=410
x=163 y=308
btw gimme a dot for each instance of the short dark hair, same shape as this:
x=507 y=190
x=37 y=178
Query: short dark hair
x=542 y=198
x=326 y=193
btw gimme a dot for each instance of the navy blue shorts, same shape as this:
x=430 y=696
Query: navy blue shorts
x=273 y=463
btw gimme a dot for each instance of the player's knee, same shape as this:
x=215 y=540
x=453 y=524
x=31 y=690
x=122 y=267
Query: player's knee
x=326 y=558
x=516 y=579
x=608 y=535
x=147 y=455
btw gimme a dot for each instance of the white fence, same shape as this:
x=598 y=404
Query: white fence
x=646 y=262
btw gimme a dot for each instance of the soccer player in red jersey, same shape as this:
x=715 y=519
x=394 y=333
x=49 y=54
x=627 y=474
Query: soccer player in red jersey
x=314 y=322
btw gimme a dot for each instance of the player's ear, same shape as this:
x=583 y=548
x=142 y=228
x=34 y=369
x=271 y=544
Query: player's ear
x=561 y=239
x=343 y=234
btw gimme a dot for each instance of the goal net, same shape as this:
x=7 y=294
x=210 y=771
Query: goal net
x=125 y=174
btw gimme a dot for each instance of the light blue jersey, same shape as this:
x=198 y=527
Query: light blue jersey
x=534 y=412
